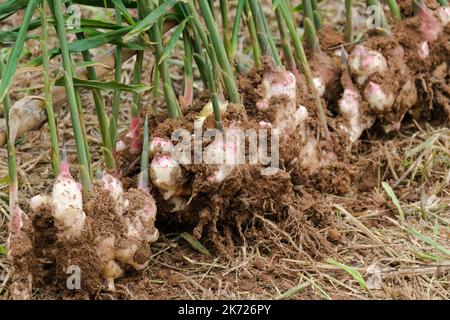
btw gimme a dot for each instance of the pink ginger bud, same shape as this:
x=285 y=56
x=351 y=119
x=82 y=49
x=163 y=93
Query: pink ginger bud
x=320 y=86
x=166 y=174
x=364 y=63
x=224 y=153
x=424 y=50
x=115 y=190
x=444 y=15
x=399 y=51
x=39 y=201
x=377 y=99
x=349 y=103
x=141 y=226
x=163 y=145
x=265 y=124
x=135 y=146
x=349 y=106
x=430 y=26
x=67 y=204
x=277 y=83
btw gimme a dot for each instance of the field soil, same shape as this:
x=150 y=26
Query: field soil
x=374 y=223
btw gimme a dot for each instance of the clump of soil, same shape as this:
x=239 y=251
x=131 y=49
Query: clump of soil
x=73 y=268
x=431 y=75
x=223 y=214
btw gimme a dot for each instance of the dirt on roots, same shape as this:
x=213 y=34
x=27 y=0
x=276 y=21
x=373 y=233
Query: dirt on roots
x=256 y=236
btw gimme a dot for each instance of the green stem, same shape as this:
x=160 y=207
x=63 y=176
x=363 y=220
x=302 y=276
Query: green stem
x=83 y=129
x=213 y=11
x=395 y=10
x=155 y=38
x=101 y=113
x=308 y=9
x=114 y=122
x=443 y=3
x=143 y=176
x=317 y=16
x=71 y=98
x=384 y=22
x=99 y=109
x=301 y=57
x=196 y=42
x=155 y=81
x=311 y=36
x=260 y=30
x=348 y=31
x=225 y=27
x=318 y=22
x=188 y=90
x=237 y=22
x=309 y=32
x=200 y=37
x=56 y=161
x=253 y=36
x=272 y=45
x=214 y=96
x=290 y=61
x=12 y=170
x=137 y=76
x=229 y=80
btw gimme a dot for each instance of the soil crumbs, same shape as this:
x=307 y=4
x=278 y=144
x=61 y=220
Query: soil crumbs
x=361 y=229
x=322 y=235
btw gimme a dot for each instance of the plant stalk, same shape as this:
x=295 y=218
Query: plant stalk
x=71 y=98
x=155 y=37
x=188 y=90
x=301 y=57
x=12 y=169
x=348 y=31
x=56 y=160
x=287 y=50
x=225 y=27
x=143 y=176
x=114 y=121
x=229 y=80
x=272 y=45
x=237 y=22
x=253 y=36
x=395 y=10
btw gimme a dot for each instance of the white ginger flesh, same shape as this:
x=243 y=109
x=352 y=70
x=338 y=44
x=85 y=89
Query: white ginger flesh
x=140 y=229
x=364 y=62
x=160 y=146
x=106 y=255
x=378 y=99
x=115 y=190
x=432 y=23
x=67 y=205
x=167 y=175
x=140 y=232
x=224 y=152
x=320 y=86
x=280 y=84
x=349 y=107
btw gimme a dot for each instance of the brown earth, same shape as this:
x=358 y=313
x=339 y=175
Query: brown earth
x=268 y=234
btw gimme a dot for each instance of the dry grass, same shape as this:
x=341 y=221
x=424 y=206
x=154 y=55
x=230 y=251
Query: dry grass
x=368 y=236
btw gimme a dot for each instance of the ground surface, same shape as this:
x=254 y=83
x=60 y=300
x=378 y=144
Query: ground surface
x=372 y=255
